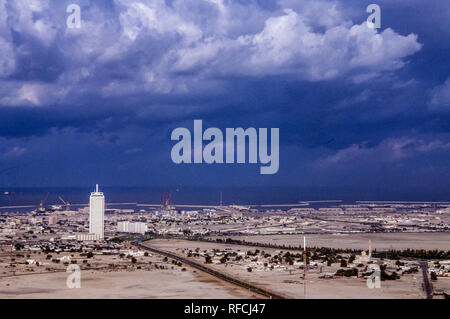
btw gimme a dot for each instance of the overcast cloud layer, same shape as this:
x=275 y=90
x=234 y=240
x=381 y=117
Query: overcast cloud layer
x=355 y=106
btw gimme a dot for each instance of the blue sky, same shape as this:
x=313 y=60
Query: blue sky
x=356 y=107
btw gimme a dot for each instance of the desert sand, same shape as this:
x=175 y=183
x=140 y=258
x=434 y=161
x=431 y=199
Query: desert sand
x=291 y=283
x=122 y=284
x=156 y=278
x=380 y=241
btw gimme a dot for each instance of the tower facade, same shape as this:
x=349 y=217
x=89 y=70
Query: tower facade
x=97 y=213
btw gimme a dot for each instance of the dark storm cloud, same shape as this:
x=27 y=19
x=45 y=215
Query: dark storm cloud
x=339 y=92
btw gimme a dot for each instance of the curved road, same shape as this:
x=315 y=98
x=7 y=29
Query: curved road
x=261 y=291
x=426 y=280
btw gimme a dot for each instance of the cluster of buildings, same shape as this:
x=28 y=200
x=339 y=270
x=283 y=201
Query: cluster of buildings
x=130 y=227
x=275 y=260
x=223 y=221
x=68 y=225
x=441 y=268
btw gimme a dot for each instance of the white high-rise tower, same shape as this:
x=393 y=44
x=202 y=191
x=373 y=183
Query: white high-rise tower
x=97 y=213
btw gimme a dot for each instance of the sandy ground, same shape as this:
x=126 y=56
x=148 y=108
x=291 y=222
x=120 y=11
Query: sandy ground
x=291 y=284
x=149 y=282
x=441 y=285
x=123 y=284
x=380 y=241
x=31 y=281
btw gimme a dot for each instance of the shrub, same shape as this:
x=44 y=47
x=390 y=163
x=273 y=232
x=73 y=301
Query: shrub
x=347 y=272
x=433 y=276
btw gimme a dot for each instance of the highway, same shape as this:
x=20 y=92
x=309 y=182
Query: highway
x=225 y=277
x=426 y=281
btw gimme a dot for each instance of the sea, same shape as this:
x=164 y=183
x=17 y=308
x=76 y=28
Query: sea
x=129 y=197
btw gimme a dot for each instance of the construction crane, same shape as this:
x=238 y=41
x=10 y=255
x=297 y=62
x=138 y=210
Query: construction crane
x=65 y=203
x=41 y=208
x=165 y=201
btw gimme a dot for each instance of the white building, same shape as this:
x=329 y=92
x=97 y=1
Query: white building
x=53 y=220
x=134 y=253
x=127 y=227
x=97 y=213
x=87 y=237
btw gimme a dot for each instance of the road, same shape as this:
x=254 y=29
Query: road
x=225 y=277
x=426 y=280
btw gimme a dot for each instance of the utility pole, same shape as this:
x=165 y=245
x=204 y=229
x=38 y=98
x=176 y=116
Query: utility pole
x=304 y=267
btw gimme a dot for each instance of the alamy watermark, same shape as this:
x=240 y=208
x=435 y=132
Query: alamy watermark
x=374 y=20
x=74 y=279
x=213 y=152
x=374 y=280
x=74 y=19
